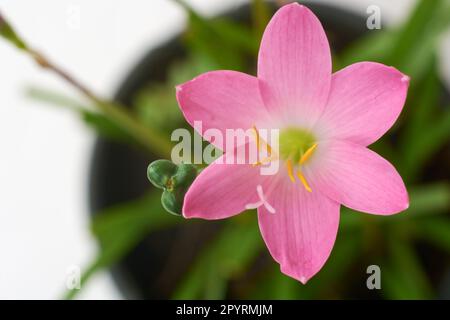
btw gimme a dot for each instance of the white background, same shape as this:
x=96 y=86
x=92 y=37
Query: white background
x=45 y=151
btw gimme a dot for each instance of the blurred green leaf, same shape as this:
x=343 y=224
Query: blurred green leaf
x=432 y=138
x=225 y=43
x=371 y=47
x=276 y=285
x=97 y=121
x=410 y=47
x=261 y=14
x=156 y=105
x=225 y=257
x=436 y=231
x=345 y=251
x=422 y=107
x=403 y=276
x=8 y=33
x=350 y=219
x=429 y=199
x=121 y=227
x=416 y=41
x=105 y=127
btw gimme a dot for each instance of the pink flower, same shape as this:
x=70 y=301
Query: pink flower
x=326 y=122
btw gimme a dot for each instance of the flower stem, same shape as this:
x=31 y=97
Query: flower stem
x=145 y=136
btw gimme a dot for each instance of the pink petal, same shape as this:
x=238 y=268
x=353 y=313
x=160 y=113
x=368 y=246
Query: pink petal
x=365 y=100
x=222 y=190
x=302 y=232
x=223 y=100
x=294 y=65
x=358 y=178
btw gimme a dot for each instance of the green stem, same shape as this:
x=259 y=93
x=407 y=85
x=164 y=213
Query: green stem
x=152 y=140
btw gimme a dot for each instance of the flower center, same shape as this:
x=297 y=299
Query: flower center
x=296 y=145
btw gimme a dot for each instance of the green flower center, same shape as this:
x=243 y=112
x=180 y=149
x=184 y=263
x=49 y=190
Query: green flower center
x=294 y=143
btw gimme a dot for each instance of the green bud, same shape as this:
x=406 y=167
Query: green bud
x=160 y=172
x=184 y=176
x=172 y=201
x=175 y=180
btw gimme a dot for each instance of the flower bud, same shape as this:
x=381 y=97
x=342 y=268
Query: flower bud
x=174 y=179
x=160 y=172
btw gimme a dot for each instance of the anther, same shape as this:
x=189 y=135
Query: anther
x=303 y=180
x=308 y=154
x=290 y=170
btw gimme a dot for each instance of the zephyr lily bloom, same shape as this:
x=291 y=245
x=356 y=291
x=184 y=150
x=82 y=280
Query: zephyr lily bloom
x=326 y=122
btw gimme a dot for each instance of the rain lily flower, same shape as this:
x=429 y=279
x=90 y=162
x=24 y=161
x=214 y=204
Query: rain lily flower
x=326 y=122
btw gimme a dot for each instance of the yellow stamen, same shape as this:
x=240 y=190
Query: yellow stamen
x=264 y=161
x=303 y=180
x=308 y=154
x=290 y=170
x=268 y=147
x=260 y=141
x=256 y=138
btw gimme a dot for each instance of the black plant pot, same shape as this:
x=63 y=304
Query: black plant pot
x=118 y=172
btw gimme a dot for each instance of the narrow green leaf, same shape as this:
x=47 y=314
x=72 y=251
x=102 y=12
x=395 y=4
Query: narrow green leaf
x=434 y=136
x=345 y=251
x=429 y=199
x=403 y=276
x=97 y=121
x=8 y=33
x=226 y=256
x=222 y=42
x=261 y=14
x=410 y=47
x=371 y=47
x=422 y=108
x=436 y=231
x=120 y=228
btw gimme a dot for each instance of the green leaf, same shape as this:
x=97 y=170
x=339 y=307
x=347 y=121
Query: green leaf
x=345 y=251
x=436 y=231
x=409 y=48
x=278 y=286
x=429 y=199
x=226 y=256
x=420 y=113
x=403 y=277
x=371 y=47
x=225 y=43
x=417 y=40
x=433 y=137
x=120 y=228
x=261 y=14
x=156 y=105
x=8 y=33
x=97 y=121
x=105 y=127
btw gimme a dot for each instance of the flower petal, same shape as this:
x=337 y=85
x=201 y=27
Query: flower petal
x=222 y=190
x=223 y=100
x=302 y=231
x=294 y=65
x=365 y=100
x=358 y=178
